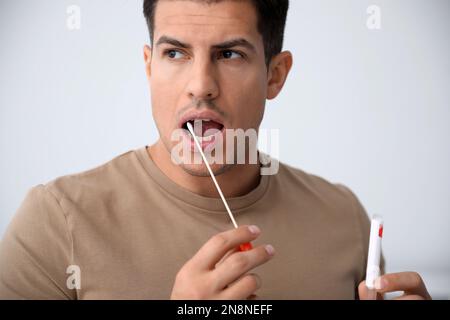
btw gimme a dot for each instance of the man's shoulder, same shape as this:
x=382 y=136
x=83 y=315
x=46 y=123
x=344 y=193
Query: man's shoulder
x=99 y=179
x=315 y=184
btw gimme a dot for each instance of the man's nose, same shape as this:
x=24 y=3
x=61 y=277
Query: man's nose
x=202 y=85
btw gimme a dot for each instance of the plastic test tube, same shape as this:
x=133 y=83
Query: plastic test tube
x=374 y=256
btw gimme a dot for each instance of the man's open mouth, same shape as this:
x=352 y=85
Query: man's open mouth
x=207 y=124
x=204 y=128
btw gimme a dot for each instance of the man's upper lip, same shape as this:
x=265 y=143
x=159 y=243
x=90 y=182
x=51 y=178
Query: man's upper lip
x=206 y=114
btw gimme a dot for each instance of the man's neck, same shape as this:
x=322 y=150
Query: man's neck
x=236 y=181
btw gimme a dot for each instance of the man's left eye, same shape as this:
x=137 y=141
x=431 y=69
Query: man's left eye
x=229 y=54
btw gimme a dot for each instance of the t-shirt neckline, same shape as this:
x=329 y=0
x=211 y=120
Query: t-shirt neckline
x=206 y=203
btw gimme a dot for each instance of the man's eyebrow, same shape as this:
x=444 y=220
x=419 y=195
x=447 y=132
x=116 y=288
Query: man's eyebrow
x=172 y=41
x=238 y=42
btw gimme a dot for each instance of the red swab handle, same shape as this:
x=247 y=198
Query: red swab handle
x=245 y=246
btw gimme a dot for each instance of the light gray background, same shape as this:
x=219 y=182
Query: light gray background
x=370 y=109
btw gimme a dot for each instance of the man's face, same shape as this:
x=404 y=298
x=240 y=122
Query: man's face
x=207 y=62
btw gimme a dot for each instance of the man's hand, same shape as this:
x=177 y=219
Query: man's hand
x=410 y=283
x=219 y=271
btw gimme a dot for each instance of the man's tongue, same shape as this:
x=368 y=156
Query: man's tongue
x=210 y=125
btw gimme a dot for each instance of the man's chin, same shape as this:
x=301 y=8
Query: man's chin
x=200 y=170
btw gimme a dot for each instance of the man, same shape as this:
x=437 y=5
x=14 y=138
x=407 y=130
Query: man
x=148 y=227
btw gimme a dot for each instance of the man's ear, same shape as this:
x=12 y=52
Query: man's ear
x=147 y=59
x=279 y=69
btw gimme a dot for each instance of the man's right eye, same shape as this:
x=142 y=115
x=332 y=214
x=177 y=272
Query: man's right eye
x=173 y=54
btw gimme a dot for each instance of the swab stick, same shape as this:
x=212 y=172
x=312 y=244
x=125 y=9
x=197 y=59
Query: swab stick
x=244 y=246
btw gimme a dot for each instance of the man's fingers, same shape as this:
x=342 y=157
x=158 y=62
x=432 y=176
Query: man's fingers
x=409 y=297
x=229 y=253
x=216 y=247
x=242 y=288
x=241 y=262
x=409 y=282
x=368 y=294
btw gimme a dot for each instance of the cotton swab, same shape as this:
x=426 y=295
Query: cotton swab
x=244 y=246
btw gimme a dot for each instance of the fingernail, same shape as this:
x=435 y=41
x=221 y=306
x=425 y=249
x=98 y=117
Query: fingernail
x=270 y=250
x=380 y=283
x=254 y=229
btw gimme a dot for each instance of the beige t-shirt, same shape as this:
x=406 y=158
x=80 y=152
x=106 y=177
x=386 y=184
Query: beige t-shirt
x=129 y=229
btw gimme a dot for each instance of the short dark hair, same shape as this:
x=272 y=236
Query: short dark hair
x=271 y=22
